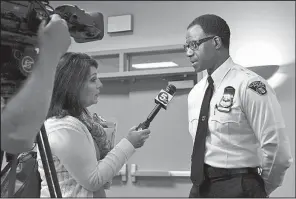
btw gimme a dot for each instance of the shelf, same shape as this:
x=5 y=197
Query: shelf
x=125 y=60
x=147 y=73
x=137 y=50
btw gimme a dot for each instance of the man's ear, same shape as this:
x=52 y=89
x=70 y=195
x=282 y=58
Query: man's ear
x=217 y=42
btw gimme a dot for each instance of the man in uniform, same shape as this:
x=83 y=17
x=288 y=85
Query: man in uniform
x=232 y=113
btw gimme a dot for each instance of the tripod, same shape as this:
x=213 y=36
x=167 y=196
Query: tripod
x=47 y=162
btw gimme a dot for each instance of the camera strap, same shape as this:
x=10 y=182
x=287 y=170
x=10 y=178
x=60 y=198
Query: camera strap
x=48 y=164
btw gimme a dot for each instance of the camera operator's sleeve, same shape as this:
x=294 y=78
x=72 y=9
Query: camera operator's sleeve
x=72 y=144
x=24 y=114
x=14 y=141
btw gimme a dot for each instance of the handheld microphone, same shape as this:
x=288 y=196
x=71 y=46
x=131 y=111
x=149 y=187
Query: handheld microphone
x=162 y=100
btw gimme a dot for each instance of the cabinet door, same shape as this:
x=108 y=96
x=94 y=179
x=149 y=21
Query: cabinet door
x=169 y=146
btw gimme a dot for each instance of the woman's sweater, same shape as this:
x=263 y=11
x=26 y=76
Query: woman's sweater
x=75 y=158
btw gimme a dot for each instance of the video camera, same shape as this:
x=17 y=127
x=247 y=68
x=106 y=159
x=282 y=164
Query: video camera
x=20 y=21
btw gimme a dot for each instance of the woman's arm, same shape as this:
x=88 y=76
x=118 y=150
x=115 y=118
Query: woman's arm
x=71 y=142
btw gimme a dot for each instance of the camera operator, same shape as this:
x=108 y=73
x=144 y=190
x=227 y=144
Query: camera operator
x=23 y=115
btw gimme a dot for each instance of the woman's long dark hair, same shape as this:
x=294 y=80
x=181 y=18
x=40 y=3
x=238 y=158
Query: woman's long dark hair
x=72 y=72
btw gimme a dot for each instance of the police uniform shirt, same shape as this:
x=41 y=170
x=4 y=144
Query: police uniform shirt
x=244 y=115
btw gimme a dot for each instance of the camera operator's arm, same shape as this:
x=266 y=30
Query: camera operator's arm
x=24 y=114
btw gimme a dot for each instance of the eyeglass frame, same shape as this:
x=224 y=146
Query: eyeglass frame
x=197 y=43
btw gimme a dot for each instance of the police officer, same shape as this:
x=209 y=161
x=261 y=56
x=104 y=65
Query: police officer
x=232 y=113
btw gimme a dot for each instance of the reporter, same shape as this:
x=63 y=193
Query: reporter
x=18 y=131
x=82 y=156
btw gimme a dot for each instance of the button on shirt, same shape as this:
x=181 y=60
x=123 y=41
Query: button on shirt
x=252 y=124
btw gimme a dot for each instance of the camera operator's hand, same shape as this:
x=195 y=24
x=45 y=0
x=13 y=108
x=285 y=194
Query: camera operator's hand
x=54 y=37
x=137 y=138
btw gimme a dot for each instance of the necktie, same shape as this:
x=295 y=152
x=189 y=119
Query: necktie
x=198 y=154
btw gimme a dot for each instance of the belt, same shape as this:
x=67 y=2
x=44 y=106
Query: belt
x=213 y=172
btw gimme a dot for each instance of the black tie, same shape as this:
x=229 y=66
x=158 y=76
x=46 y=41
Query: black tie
x=198 y=154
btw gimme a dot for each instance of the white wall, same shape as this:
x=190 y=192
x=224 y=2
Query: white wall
x=164 y=23
x=271 y=24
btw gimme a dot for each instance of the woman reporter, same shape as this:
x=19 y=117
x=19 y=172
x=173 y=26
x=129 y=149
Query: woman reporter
x=82 y=155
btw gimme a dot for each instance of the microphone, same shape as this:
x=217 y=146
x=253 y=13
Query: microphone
x=162 y=100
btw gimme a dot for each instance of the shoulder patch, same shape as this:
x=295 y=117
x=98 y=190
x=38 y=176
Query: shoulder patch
x=259 y=87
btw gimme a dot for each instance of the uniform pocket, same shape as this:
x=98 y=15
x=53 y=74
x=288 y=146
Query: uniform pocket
x=223 y=126
x=226 y=117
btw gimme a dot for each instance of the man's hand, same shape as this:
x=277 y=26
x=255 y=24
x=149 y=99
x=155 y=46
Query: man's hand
x=54 y=37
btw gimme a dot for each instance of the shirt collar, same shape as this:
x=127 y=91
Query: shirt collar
x=219 y=74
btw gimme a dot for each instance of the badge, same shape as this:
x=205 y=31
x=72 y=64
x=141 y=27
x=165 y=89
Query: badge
x=258 y=87
x=227 y=100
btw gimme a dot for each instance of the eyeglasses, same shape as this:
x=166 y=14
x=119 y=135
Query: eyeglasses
x=194 y=45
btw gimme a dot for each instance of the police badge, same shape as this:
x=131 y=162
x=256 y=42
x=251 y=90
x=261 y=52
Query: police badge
x=227 y=100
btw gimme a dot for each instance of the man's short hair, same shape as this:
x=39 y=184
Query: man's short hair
x=213 y=25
